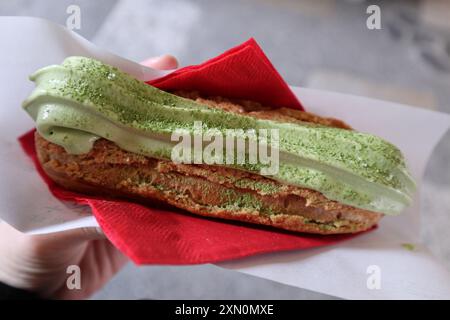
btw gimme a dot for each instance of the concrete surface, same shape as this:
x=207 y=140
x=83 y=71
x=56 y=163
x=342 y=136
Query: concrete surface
x=321 y=44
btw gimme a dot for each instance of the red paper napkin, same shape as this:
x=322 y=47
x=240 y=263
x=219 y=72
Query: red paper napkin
x=155 y=236
x=243 y=72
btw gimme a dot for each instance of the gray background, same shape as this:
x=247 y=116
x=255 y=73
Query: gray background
x=320 y=44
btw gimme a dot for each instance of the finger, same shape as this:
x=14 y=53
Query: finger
x=164 y=62
x=78 y=235
x=107 y=259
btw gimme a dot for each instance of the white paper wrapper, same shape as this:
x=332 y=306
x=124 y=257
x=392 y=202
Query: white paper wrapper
x=341 y=270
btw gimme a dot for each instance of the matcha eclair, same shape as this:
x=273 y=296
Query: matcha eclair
x=100 y=131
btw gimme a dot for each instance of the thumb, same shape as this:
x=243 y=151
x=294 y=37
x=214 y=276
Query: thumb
x=164 y=62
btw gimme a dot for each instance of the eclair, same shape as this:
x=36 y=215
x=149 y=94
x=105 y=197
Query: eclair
x=100 y=131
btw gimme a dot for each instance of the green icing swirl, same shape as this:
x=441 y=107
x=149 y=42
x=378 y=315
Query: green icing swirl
x=82 y=100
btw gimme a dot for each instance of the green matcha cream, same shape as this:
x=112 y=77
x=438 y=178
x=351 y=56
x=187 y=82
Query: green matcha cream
x=82 y=100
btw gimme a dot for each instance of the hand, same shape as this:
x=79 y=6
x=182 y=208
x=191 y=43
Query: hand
x=39 y=263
